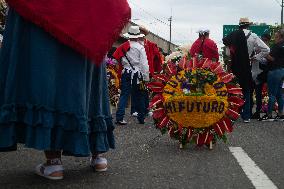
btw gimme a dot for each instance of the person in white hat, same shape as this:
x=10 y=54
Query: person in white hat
x=242 y=43
x=204 y=46
x=135 y=71
x=155 y=66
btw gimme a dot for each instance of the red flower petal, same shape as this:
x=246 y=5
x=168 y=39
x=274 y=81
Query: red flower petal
x=206 y=63
x=171 y=131
x=159 y=113
x=218 y=69
x=160 y=77
x=209 y=138
x=199 y=140
x=233 y=114
x=199 y=63
x=214 y=65
x=193 y=63
x=219 y=129
x=232 y=89
x=157 y=99
x=183 y=63
x=226 y=124
x=236 y=101
x=226 y=77
x=171 y=69
x=189 y=134
x=204 y=138
x=156 y=87
x=164 y=122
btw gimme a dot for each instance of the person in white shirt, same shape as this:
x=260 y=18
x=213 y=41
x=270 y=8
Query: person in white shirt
x=242 y=43
x=135 y=73
x=259 y=74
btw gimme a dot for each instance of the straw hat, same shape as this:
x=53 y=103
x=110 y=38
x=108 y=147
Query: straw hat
x=244 y=21
x=133 y=33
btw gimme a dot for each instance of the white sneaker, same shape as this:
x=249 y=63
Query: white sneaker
x=99 y=164
x=46 y=171
x=135 y=114
x=246 y=120
x=123 y=122
x=266 y=118
x=150 y=114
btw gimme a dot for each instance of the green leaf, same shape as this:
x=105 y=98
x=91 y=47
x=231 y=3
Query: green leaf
x=224 y=138
x=164 y=130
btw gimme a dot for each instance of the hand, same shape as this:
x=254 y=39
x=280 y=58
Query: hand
x=253 y=60
x=270 y=58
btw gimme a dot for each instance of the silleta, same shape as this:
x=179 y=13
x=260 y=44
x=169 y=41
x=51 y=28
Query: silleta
x=206 y=107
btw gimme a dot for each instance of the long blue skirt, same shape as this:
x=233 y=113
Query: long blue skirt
x=51 y=97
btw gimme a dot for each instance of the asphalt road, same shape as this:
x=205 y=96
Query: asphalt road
x=145 y=159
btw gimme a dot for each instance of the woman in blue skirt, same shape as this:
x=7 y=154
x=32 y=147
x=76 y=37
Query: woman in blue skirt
x=52 y=99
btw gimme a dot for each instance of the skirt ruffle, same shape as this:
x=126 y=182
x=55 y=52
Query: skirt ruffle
x=46 y=129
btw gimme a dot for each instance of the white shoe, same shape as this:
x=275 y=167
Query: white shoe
x=135 y=114
x=150 y=114
x=246 y=120
x=99 y=164
x=123 y=122
x=47 y=170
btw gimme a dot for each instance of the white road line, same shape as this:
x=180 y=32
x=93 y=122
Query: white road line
x=258 y=178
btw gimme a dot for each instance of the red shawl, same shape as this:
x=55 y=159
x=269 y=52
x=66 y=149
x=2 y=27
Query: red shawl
x=119 y=53
x=88 y=26
x=153 y=56
x=209 y=49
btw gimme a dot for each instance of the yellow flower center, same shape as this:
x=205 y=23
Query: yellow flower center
x=194 y=109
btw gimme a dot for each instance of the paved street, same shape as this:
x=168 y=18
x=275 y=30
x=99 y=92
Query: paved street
x=145 y=159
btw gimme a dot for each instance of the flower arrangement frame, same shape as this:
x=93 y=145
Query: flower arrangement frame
x=206 y=85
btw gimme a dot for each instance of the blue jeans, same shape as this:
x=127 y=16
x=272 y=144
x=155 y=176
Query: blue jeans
x=133 y=103
x=274 y=83
x=246 y=113
x=258 y=96
x=137 y=94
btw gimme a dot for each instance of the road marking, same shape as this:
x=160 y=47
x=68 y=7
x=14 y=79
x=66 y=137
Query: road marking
x=258 y=178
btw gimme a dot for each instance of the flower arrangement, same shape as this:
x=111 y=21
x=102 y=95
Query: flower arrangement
x=113 y=82
x=265 y=100
x=195 y=100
